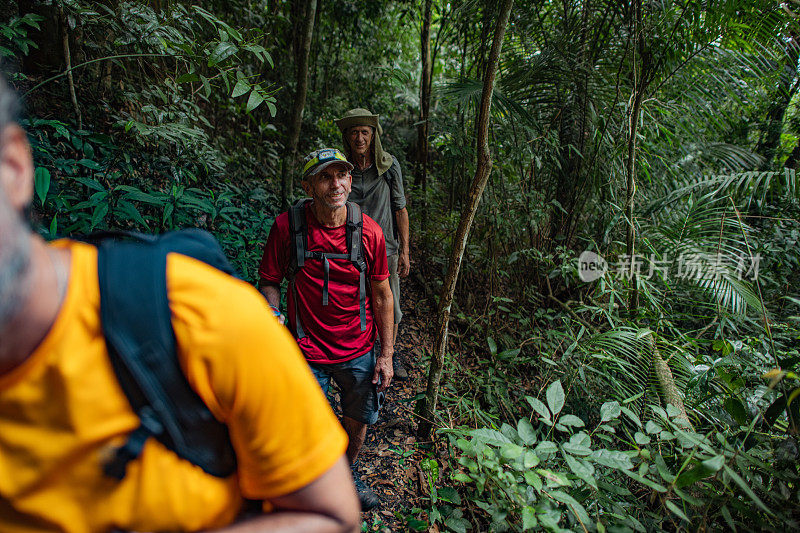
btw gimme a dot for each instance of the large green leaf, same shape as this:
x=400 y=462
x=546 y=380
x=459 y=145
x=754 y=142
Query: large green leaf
x=41 y=183
x=612 y=459
x=222 y=51
x=555 y=397
x=539 y=407
x=526 y=431
x=490 y=436
x=609 y=411
x=240 y=88
x=254 y=100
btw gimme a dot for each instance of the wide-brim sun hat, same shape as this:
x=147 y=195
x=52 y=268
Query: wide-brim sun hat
x=358 y=117
x=319 y=160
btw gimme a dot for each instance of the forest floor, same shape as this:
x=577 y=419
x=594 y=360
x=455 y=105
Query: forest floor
x=391 y=457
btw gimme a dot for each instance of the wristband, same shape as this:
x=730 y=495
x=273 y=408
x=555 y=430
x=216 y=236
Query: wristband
x=275 y=310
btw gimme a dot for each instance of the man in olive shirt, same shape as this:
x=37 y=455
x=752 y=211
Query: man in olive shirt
x=378 y=189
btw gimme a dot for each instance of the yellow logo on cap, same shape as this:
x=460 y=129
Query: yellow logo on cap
x=322 y=157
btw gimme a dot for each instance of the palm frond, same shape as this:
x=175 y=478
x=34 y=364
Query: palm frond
x=622 y=357
x=746 y=189
x=710 y=243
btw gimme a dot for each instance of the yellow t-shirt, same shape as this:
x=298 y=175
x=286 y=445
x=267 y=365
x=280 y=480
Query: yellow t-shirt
x=62 y=412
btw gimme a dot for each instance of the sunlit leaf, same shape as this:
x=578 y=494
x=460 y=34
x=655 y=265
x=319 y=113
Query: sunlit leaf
x=609 y=411
x=555 y=397
x=539 y=407
x=526 y=431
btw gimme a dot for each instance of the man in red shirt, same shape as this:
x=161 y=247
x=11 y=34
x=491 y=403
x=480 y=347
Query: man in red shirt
x=335 y=330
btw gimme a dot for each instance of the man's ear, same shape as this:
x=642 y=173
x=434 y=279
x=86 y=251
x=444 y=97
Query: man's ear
x=16 y=166
x=306 y=186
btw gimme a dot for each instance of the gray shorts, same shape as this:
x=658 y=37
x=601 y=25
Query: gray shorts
x=394 y=283
x=360 y=398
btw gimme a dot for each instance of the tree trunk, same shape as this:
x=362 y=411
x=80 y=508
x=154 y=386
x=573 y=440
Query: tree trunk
x=296 y=120
x=421 y=178
x=630 y=164
x=454 y=195
x=482 y=171
x=68 y=65
x=630 y=236
x=317 y=45
x=785 y=90
x=666 y=381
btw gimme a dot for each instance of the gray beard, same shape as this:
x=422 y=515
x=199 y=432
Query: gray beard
x=15 y=258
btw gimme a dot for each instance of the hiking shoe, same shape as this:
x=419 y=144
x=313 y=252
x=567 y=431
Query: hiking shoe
x=400 y=372
x=367 y=497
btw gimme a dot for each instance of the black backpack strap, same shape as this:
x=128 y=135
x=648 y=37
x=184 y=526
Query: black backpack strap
x=194 y=242
x=298 y=229
x=137 y=325
x=392 y=174
x=355 y=247
x=98 y=237
x=355 y=223
x=198 y=244
x=300 y=333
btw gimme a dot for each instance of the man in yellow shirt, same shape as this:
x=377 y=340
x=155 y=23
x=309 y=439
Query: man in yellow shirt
x=62 y=411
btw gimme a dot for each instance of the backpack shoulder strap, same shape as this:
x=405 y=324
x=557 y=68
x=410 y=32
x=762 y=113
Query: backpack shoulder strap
x=355 y=225
x=198 y=244
x=355 y=248
x=299 y=232
x=392 y=174
x=136 y=322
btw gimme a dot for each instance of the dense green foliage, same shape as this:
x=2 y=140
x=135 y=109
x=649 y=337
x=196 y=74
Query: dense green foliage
x=555 y=410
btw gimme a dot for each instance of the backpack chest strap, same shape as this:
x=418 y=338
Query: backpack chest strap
x=325 y=258
x=299 y=234
x=355 y=229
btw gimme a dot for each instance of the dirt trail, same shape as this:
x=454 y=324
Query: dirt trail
x=390 y=457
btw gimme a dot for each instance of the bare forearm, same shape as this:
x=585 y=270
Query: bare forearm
x=289 y=522
x=401 y=217
x=404 y=264
x=384 y=320
x=327 y=504
x=271 y=292
x=383 y=311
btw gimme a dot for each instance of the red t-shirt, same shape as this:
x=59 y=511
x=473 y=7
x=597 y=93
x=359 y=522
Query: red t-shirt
x=333 y=332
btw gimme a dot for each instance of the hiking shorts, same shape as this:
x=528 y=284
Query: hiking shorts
x=394 y=284
x=360 y=399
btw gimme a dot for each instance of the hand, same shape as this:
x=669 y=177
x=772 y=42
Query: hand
x=384 y=372
x=404 y=267
x=277 y=314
